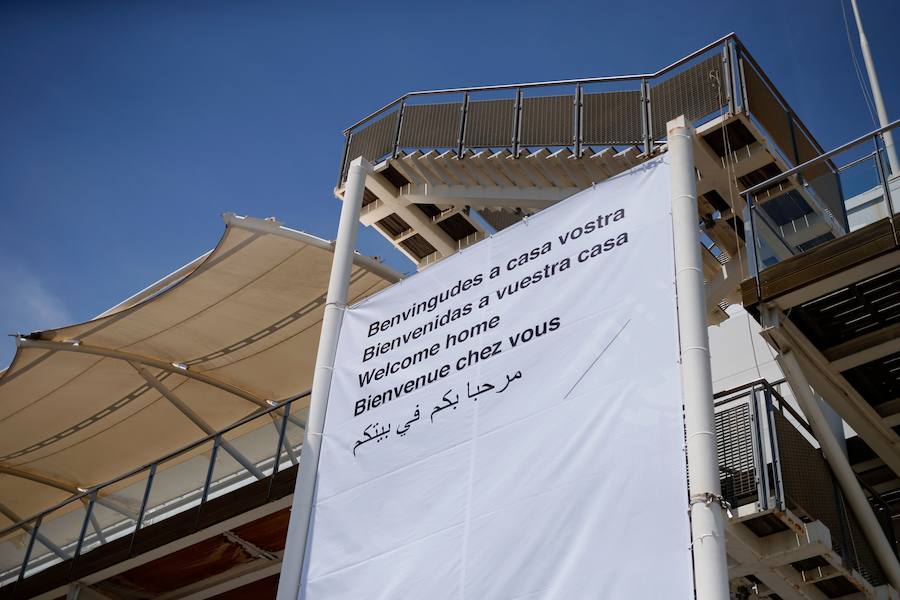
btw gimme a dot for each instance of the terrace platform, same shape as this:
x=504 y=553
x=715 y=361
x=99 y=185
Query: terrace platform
x=453 y=166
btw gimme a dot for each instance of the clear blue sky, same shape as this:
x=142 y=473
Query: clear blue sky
x=126 y=128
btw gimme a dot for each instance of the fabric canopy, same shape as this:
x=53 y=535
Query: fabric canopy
x=224 y=335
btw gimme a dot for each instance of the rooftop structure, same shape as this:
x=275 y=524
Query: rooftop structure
x=223 y=348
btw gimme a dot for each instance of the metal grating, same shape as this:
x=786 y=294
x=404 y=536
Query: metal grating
x=373 y=141
x=612 y=118
x=811 y=490
x=878 y=381
x=489 y=124
x=850 y=312
x=695 y=92
x=430 y=125
x=862 y=559
x=457 y=227
x=737 y=467
x=766 y=108
x=808 y=486
x=393 y=225
x=548 y=121
x=418 y=246
x=500 y=219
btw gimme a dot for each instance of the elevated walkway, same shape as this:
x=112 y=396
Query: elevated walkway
x=791 y=534
x=452 y=166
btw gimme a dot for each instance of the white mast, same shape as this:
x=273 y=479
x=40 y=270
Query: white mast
x=876 y=92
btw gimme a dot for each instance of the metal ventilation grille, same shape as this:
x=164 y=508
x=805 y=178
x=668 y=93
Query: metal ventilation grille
x=489 y=124
x=373 y=141
x=430 y=125
x=548 y=121
x=695 y=93
x=734 y=440
x=612 y=118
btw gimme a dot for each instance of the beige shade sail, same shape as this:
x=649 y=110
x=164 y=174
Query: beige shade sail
x=199 y=350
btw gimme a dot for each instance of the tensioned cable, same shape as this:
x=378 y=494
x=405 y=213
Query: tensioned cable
x=732 y=185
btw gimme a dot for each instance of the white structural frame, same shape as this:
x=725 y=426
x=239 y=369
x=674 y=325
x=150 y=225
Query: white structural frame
x=335 y=305
x=706 y=503
x=876 y=92
x=835 y=454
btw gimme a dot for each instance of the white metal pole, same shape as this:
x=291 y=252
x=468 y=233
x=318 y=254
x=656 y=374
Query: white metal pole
x=708 y=539
x=876 y=92
x=335 y=303
x=841 y=468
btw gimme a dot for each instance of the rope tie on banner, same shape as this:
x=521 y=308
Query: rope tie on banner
x=709 y=498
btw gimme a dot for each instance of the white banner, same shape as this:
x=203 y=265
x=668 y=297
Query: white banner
x=508 y=422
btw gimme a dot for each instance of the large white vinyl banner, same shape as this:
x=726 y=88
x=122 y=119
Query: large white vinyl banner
x=508 y=422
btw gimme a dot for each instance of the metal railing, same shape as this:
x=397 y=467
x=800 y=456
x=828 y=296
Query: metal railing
x=768 y=462
x=626 y=110
x=863 y=181
x=596 y=111
x=270 y=440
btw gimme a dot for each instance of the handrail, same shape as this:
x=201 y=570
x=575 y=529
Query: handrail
x=782 y=176
x=84 y=492
x=586 y=80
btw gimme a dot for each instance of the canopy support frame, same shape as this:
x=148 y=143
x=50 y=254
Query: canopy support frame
x=196 y=419
x=23 y=342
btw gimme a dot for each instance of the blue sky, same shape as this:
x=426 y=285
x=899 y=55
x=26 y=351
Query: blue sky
x=126 y=128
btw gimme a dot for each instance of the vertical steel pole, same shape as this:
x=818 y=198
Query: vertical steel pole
x=579 y=104
x=88 y=513
x=211 y=469
x=281 y=442
x=517 y=123
x=726 y=68
x=30 y=547
x=146 y=499
x=463 y=114
x=708 y=538
x=876 y=92
x=295 y=554
x=396 y=151
x=340 y=178
x=645 y=117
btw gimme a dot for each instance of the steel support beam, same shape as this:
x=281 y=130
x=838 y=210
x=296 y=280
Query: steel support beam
x=9 y=514
x=196 y=419
x=836 y=458
x=109 y=501
x=832 y=386
x=272 y=227
x=143 y=360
